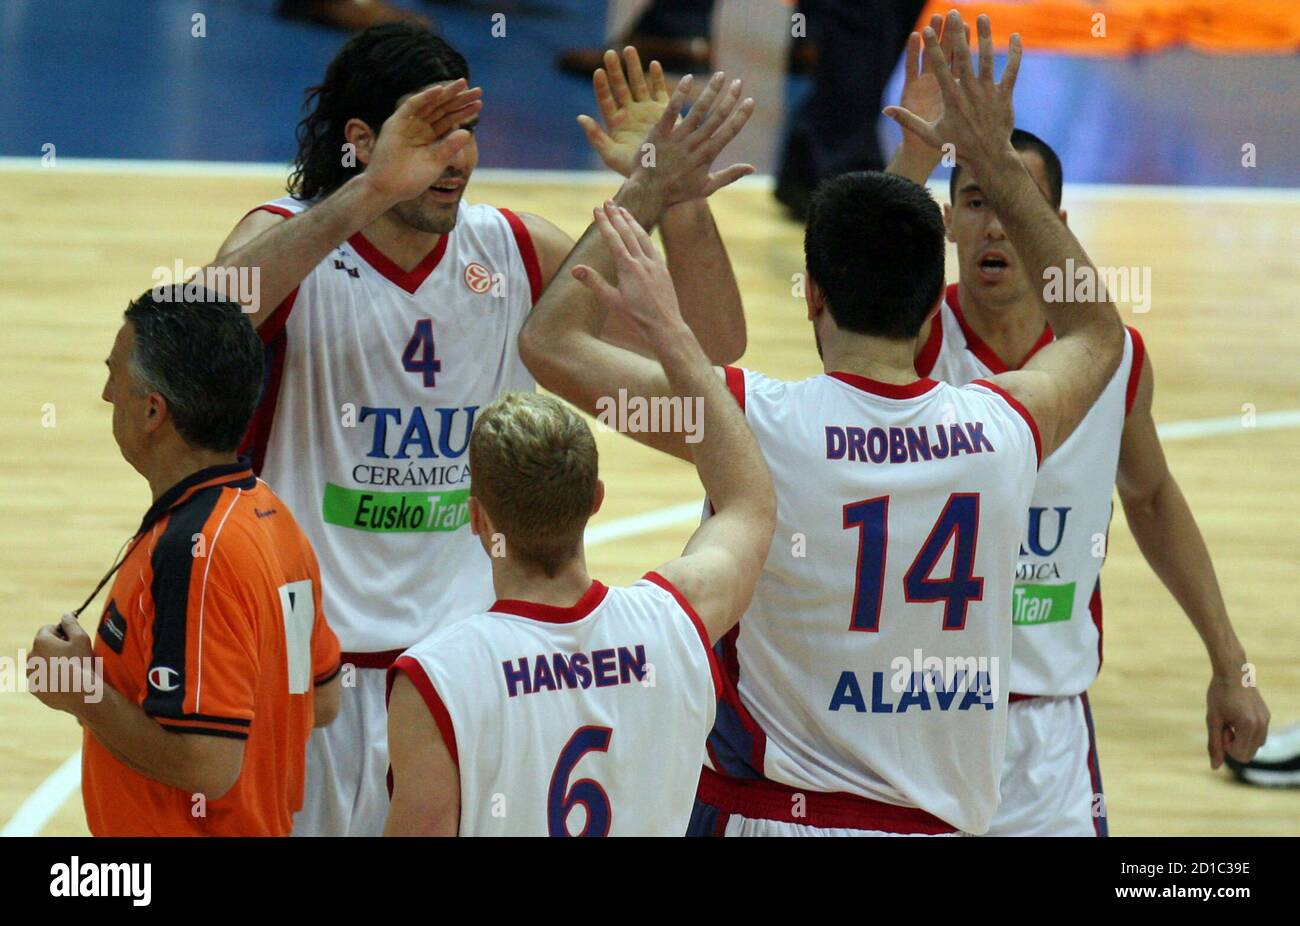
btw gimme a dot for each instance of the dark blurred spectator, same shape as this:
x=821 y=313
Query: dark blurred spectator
x=850 y=49
x=353 y=15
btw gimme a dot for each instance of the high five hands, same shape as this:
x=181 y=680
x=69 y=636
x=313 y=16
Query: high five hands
x=977 y=116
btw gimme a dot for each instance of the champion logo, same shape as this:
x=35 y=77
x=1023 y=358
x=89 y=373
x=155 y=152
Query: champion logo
x=164 y=679
x=478 y=278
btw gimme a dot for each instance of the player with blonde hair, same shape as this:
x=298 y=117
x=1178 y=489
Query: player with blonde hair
x=569 y=707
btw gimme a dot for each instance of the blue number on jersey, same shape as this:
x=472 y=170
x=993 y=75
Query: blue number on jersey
x=561 y=798
x=958 y=523
x=421 y=340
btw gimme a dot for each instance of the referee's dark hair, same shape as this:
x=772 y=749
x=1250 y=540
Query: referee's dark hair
x=203 y=356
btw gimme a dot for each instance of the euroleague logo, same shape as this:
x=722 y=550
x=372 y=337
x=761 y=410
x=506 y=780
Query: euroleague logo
x=478 y=278
x=164 y=679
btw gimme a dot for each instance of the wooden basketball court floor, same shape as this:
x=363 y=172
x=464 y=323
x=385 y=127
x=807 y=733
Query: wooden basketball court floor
x=1223 y=331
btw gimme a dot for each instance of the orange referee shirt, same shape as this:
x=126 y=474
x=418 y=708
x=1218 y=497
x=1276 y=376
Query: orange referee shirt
x=214 y=627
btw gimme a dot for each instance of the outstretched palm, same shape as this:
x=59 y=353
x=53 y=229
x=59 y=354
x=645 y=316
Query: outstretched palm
x=921 y=92
x=419 y=140
x=629 y=106
x=977 y=114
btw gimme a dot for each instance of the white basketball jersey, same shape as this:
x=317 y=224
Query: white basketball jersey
x=873 y=657
x=375 y=376
x=587 y=720
x=1056 y=609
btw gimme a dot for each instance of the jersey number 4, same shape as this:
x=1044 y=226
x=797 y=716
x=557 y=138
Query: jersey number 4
x=958 y=526
x=562 y=797
x=419 y=355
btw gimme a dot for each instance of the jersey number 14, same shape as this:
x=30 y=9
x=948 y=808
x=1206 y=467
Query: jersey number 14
x=957 y=526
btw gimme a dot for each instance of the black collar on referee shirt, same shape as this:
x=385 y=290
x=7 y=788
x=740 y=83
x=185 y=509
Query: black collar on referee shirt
x=240 y=476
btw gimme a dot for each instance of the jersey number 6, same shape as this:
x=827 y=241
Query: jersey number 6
x=561 y=797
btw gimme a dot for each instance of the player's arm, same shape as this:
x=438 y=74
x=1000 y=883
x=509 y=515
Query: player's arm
x=1167 y=534
x=193 y=762
x=720 y=565
x=414 y=146
x=631 y=101
x=426 y=781
x=326 y=700
x=706 y=283
x=561 y=342
x=326 y=671
x=1062 y=381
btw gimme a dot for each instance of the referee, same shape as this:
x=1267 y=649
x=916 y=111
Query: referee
x=215 y=657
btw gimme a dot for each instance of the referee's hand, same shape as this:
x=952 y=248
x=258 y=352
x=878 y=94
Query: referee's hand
x=61 y=655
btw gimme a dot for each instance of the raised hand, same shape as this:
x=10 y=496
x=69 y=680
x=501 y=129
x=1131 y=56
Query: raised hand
x=419 y=140
x=630 y=107
x=921 y=93
x=977 y=117
x=676 y=163
x=645 y=291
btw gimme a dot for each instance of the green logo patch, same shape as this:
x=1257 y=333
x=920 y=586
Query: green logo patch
x=1041 y=604
x=395 y=512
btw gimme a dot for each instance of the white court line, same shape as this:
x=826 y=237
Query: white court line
x=42 y=803
x=1081 y=192
x=49 y=796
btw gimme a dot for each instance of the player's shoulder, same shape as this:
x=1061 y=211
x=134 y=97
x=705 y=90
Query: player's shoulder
x=284 y=207
x=448 y=645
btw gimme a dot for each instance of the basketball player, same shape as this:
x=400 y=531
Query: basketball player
x=389 y=308
x=566 y=692
x=991 y=321
x=215 y=656
x=863 y=688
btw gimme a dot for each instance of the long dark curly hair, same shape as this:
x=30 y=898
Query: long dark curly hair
x=365 y=80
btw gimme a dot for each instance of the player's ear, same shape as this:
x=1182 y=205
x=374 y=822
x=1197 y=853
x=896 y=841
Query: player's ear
x=1065 y=218
x=814 y=296
x=600 y=497
x=156 y=412
x=478 y=521
x=934 y=309
x=947 y=222
x=359 y=135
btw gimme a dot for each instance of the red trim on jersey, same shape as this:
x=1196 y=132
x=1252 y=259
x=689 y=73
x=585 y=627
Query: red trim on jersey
x=1094 y=608
x=977 y=346
x=929 y=355
x=274 y=210
x=888 y=390
x=730 y=664
x=275 y=342
x=383 y=660
x=1135 y=371
x=734 y=377
x=407 y=280
x=279 y=317
x=415 y=672
x=760 y=799
x=1016 y=406
x=685 y=605
x=1015 y=696
x=553 y=614
x=527 y=251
